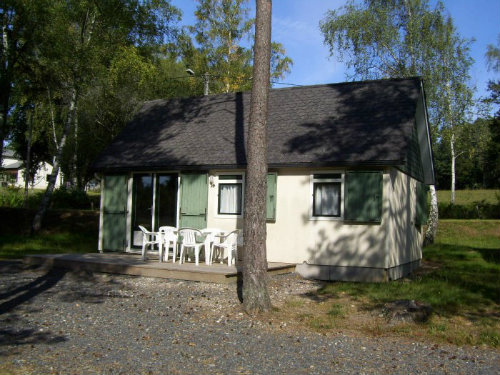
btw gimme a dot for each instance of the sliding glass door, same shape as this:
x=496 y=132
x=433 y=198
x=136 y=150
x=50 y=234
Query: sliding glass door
x=154 y=203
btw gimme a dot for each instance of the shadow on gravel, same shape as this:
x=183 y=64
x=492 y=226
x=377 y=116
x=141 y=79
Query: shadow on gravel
x=32 y=289
x=27 y=337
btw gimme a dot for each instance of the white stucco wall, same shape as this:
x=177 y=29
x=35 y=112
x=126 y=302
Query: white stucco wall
x=40 y=180
x=404 y=238
x=296 y=238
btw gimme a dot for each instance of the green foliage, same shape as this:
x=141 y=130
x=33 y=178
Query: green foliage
x=65 y=232
x=465 y=197
x=14 y=197
x=220 y=32
x=478 y=210
x=493 y=56
x=404 y=38
x=469 y=204
x=11 y=197
x=70 y=198
x=468 y=253
x=62 y=198
x=460 y=281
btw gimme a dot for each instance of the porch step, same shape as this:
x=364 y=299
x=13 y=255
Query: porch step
x=132 y=264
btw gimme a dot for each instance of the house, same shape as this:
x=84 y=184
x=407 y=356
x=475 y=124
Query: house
x=348 y=167
x=12 y=172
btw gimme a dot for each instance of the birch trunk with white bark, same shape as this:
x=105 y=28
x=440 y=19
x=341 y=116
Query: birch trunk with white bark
x=432 y=222
x=44 y=204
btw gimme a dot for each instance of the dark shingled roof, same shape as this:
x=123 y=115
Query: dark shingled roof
x=356 y=123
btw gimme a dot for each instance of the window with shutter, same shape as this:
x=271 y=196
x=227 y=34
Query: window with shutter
x=327 y=196
x=363 y=196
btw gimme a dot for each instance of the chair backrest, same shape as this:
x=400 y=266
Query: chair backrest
x=167 y=229
x=211 y=233
x=188 y=235
x=232 y=238
x=168 y=233
x=144 y=230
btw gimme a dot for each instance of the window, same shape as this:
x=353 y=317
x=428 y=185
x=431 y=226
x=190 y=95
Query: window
x=230 y=194
x=327 y=191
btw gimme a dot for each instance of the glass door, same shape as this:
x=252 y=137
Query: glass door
x=166 y=200
x=154 y=203
x=142 y=200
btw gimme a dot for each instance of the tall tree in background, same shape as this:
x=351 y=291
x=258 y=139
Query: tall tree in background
x=21 y=21
x=221 y=30
x=405 y=38
x=493 y=147
x=77 y=48
x=255 y=294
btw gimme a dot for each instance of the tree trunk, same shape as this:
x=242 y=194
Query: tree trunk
x=432 y=222
x=255 y=295
x=4 y=87
x=44 y=204
x=453 y=165
x=27 y=173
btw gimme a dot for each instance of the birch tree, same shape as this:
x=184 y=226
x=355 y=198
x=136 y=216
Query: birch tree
x=21 y=21
x=77 y=49
x=406 y=38
x=255 y=294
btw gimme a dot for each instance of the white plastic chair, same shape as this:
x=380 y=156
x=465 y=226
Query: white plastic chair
x=169 y=239
x=188 y=240
x=150 y=239
x=229 y=243
x=211 y=237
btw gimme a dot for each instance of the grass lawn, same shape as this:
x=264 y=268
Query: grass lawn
x=466 y=197
x=64 y=231
x=460 y=279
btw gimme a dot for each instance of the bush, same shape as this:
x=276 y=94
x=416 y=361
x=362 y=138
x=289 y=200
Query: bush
x=62 y=198
x=69 y=198
x=11 y=197
x=474 y=210
x=14 y=197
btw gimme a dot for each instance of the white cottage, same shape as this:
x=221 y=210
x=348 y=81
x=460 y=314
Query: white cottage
x=12 y=172
x=348 y=167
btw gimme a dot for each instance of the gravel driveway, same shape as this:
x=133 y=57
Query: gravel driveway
x=60 y=322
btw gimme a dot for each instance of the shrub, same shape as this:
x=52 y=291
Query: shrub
x=62 y=198
x=11 y=197
x=69 y=198
x=474 y=210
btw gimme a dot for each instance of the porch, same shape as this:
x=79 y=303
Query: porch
x=131 y=264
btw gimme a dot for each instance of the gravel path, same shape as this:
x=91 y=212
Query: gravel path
x=61 y=322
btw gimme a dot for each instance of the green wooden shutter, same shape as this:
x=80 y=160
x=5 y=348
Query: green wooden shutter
x=194 y=200
x=271 y=196
x=114 y=226
x=422 y=212
x=363 y=196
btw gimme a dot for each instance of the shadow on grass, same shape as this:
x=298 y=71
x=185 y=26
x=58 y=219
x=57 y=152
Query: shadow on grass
x=490 y=255
x=459 y=281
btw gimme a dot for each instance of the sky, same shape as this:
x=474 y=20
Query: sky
x=295 y=24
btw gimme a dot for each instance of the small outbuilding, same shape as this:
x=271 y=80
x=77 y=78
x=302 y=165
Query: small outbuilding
x=348 y=166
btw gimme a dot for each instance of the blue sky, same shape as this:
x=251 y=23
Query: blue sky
x=296 y=26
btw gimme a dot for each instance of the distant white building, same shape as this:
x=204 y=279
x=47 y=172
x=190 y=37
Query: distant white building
x=12 y=172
